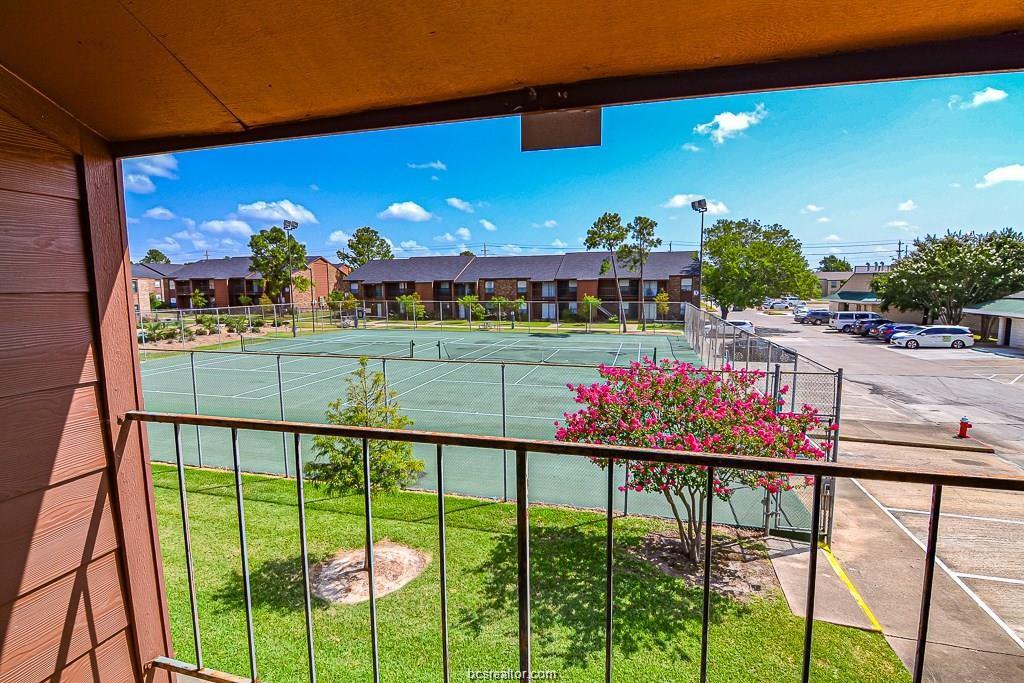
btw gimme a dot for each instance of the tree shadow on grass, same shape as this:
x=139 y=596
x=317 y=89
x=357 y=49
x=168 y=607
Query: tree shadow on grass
x=567 y=575
x=276 y=585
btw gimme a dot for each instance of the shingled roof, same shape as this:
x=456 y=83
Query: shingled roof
x=155 y=271
x=414 y=269
x=512 y=267
x=586 y=265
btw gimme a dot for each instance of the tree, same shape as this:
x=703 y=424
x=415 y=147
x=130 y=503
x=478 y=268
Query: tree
x=155 y=256
x=474 y=309
x=155 y=302
x=339 y=461
x=833 y=263
x=944 y=274
x=411 y=306
x=197 y=299
x=675 y=406
x=608 y=234
x=746 y=262
x=365 y=244
x=275 y=254
x=590 y=302
x=244 y=299
x=662 y=301
x=466 y=252
x=634 y=254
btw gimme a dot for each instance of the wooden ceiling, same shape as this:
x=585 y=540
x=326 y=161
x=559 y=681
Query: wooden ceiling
x=151 y=69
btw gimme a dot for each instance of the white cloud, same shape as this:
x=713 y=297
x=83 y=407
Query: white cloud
x=729 y=124
x=559 y=244
x=132 y=220
x=281 y=210
x=138 y=183
x=436 y=165
x=460 y=204
x=231 y=226
x=199 y=240
x=406 y=211
x=487 y=225
x=978 y=98
x=678 y=201
x=160 y=165
x=338 y=237
x=314 y=187
x=159 y=213
x=690 y=147
x=411 y=246
x=511 y=249
x=463 y=233
x=189 y=222
x=824 y=219
x=446 y=237
x=434 y=177
x=812 y=208
x=901 y=225
x=833 y=238
x=1003 y=174
x=549 y=223
x=166 y=244
x=908 y=205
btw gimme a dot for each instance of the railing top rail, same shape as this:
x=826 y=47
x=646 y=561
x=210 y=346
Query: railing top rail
x=806 y=467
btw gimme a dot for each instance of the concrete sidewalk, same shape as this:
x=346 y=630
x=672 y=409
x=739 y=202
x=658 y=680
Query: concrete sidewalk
x=926 y=435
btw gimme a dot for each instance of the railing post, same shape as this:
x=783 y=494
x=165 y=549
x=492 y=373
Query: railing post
x=247 y=590
x=523 y=562
x=195 y=405
x=609 y=605
x=792 y=385
x=370 y=575
x=193 y=603
x=837 y=409
x=304 y=556
x=442 y=551
x=812 y=578
x=706 y=612
x=280 y=400
x=929 y=575
x=504 y=453
x=384 y=371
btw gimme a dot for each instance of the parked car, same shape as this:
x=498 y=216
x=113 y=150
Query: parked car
x=724 y=328
x=864 y=326
x=884 y=332
x=816 y=318
x=778 y=305
x=934 y=336
x=758 y=350
x=799 y=312
x=845 y=320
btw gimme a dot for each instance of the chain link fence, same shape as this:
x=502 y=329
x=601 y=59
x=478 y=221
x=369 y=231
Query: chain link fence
x=470 y=396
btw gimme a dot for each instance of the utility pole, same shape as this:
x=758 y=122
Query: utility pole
x=484 y=250
x=288 y=227
x=701 y=207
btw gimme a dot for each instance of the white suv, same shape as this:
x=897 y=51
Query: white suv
x=845 y=320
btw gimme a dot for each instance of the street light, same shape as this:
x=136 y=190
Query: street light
x=701 y=207
x=288 y=227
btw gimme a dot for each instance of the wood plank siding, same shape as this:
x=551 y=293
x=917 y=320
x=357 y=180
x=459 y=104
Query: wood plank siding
x=81 y=596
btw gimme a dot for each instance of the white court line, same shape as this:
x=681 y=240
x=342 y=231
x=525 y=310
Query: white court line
x=1014 y=380
x=533 y=370
x=956 y=516
x=305 y=385
x=942 y=565
x=463 y=412
x=459 y=367
x=615 y=361
x=997 y=579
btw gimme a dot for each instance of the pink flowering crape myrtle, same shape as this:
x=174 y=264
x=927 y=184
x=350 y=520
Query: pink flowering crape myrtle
x=677 y=406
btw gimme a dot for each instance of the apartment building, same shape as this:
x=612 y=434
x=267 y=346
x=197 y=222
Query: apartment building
x=231 y=281
x=152 y=278
x=554 y=284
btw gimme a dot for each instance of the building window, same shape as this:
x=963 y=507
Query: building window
x=135 y=286
x=488 y=286
x=156 y=283
x=686 y=284
x=623 y=284
x=444 y=288
x=354 y=288
x=573 y=307
x=548 y=311
x=172 y=284
x=210 y=285
x=403 y=286
x=174 y=301
x=521 y=287
x=572 y=285
x=547 y=289
x=650 y=287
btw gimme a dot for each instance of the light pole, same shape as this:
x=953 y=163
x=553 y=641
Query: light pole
x=701 y=207
x=288 y=227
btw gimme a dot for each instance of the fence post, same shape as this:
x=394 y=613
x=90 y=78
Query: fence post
x=523 y=560
x=440 y=313
x=625 y=494
x=792 y=385
x=837 y=408
x=181 y=327
x=280 y=400
x=504 y=432
x=195 y=404
x=384 y=371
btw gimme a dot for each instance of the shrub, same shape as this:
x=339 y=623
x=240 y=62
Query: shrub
x=677 y=406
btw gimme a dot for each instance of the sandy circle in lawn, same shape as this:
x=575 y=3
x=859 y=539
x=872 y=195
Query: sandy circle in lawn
x=343 y=578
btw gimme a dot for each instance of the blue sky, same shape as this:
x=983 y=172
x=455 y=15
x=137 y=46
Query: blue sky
x=849 y=170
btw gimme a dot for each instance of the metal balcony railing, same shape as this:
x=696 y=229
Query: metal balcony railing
x=819 y=471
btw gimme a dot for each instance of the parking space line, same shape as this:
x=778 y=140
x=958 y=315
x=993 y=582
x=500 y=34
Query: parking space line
x=997 y=579
x=942 y=565
x=956 y=516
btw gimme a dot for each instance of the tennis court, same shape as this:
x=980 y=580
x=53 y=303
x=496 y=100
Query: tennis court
x=457 y=393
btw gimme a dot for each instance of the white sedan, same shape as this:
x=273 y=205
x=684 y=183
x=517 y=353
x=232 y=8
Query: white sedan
x=934 y=336
x=723 y=328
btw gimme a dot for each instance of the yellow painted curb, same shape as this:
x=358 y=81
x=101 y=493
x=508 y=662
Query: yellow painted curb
x=837 y=568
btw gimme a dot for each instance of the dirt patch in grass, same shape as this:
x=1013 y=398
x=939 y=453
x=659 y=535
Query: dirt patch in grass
x=343 y=578
x=740 y=567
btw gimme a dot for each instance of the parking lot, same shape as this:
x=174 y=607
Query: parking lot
x=978 y=609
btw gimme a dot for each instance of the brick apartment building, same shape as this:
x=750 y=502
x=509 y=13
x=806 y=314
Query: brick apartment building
x=225 y=281
x=553 y=284
x=155 y=278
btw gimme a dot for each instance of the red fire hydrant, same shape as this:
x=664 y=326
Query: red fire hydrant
x=965 y=424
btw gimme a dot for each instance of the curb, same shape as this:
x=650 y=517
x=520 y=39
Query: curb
x=975 y=447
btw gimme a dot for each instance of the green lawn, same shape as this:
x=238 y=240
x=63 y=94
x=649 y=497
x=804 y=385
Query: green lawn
x=657 y=625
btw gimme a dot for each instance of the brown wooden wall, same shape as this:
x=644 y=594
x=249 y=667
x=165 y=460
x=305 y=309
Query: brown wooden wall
x=80 y=590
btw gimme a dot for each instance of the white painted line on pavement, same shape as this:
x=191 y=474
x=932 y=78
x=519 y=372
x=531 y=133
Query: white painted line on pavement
x=956 y=516
x=998 y=579
x=942 y=565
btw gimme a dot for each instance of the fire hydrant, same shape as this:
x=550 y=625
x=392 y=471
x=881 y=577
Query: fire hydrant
x=965 y=424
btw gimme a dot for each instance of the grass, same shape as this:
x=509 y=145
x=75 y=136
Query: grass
x=657 y=619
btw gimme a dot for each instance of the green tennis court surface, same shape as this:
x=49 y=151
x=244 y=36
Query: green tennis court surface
x=438 y=396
